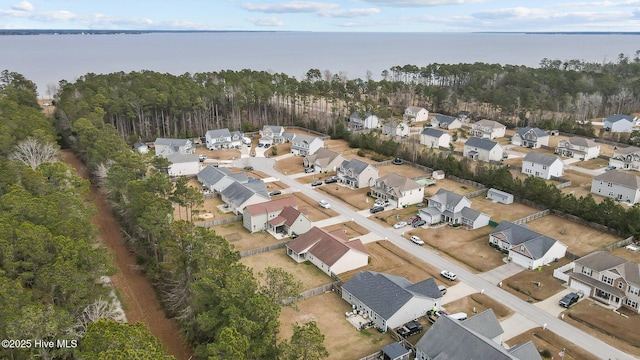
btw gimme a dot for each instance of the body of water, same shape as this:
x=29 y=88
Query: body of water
x=47 y=59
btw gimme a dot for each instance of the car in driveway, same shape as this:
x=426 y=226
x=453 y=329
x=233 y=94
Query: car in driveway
x=274 y=193
x=443 y=289
x=608 y=168
x=418 y=223
x=324 y=204
x=416 y=240
x=309 y=170
x=410 y=328
x=400 y=224
x=376 y=209
x=381 y=202
x=413 y=219
x=248 y=168
x=569 y=299
x=448 y=275
x=317 y=183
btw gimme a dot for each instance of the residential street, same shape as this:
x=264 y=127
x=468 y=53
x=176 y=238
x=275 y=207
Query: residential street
x=532 y=313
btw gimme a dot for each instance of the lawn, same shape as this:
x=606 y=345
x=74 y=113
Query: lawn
x=580 y=184
x=549 y=344
x=627 y=254
x=525 y=283
x=352 y=229
x=241 y=238
x=355 y=197
x=337 y=145
x=290 y=165
x=222 y=154
x=404 y=170
x=499 y=212
x=314 y=211
x=480 y=303
x=592 y=164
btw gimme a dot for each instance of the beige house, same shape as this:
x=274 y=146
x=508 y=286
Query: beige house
x=290 y=221
x=399 y=190
x=415 y=114
x=626 y=158
x=488 y=129
x=578 y=148
x=357 y=174
x=324 y=160
x=256 y=217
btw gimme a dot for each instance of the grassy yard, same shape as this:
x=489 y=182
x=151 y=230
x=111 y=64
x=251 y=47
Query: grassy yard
x=352 y=229
x=592 y=164
x=314 y=211
x=525 y=284
x=241 y=238
x=290 y=165
x=550 y=344
x=355 y=197
x=480 y=303
x=404 y=170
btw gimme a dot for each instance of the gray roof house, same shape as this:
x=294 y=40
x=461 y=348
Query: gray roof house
x=483 y=149
x=357 y=174
x=166 y=146
x=578 y=148
x=363 y=121
x=542 y=165
x=524 y=246
x=216 y=179
x=446 y=122
x=141 y=147
x=530 y=137
x=324 y=160
x=399 y=190
x=395 y=351
x=305 y=144
x=626 y=158
x=238 y=195
x=619 y=123
x=434 y=138
x=223 y=139
x=449 y=339
x=618 y=185
x=447 y=206
x=487 y=129
x=388 y=300
x=271 y=134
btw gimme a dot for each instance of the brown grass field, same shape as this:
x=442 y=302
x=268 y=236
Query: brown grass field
x=290 y=165
x=337 y=145
x=524 y=284
x=627 y=254
x=450 y=185
x=480 y=303
x=580 y=239
x=314 y=212
x=499 y=212
x=241 y=238
x=592 y=164
x=357 y=198
x=353 y=155
x=580 y=184
x=404 y=170
x=352 y=229
x=551 y=343
x=222 y=154
x=392 y=216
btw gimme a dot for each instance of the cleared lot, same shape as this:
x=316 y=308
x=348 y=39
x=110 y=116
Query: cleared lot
x=337 y=145
x=450 y=185
x=404 y=170
x=226 y=154
x=550 y=344
x=310 y=276
x=290 y=165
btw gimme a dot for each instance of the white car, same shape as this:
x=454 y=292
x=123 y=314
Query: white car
x=448 y=275
x=324 y=204
x=400 y=224
x=416 y=240
x=382 y=203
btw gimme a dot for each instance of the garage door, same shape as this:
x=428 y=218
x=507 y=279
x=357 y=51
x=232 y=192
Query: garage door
x=580 y=287
x=519 y=259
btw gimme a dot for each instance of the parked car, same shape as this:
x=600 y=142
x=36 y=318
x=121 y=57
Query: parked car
x=267 y=146
x=317 y=183
x=459 y=316
x=569 y=299
x=410 y=328
x=248 y=168
x=418 y=223
x=324 y=204
x=412 y=219
x=202 y=158
x=376 y=209
x=331 y=180
x=309 y=170
x=448 y=275
x=417 y=240
x=400 y=224
x=381 y=202
x=609 y=168
x=274 y=193
x=443 y=289
x=397 y=161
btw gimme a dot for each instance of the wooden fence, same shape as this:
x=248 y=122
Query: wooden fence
x=262 y=249
x=532 y=217
x=320 y=289
x=476 y=193
x=466 y=182
x=221 y=221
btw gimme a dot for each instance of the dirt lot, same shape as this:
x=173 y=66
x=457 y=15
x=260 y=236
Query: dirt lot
x=580 y=239
x=241 y=238
x=525 y=284
x=604 y=324
x=481 y=303
x=310 y=276
x=226 y=154
x=550 y=344
x=355 y=197
x=352 y=229
x=469 y=248
x=290 y=165
x=404 y=170
x=392 y=216
x=450 y=185
x=314 y=211
x=342 y=340
x=338 y=145
x=499 y=212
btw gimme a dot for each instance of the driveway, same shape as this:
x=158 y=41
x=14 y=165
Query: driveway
x=531 y=315
x=515 y=325
x=551 y=305
x=500 y=273
x=457 y=291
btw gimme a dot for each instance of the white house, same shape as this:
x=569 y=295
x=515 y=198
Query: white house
x=446 y=122
x=357 y=174
x=526 y=247
x=620 y=123
x=324 y=160
x=434 y=138
x=483 y=149
x=530 y=137
x=183 y=164
x=141 y=147
x=626 y=158
x=305 y=144
x=223 y=139
x=543 y=166
x=618 y=185
x=388 y=300
x=271 y=134
x=256 y=217
x=330 y=252
x=415 y=114
x=399 y=190
x=578 y=148
x=238 y=196
x=394 y=127
x=447 y=206
x=363 y=121
x=166 y=146
x=487 y=129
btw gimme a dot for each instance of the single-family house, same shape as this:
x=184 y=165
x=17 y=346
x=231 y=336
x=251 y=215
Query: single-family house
x=617 y=185
x=524 y=246
x=626 y=158
x=141 y=147
x=166 y=146
x=363 y=121
x=434 y=138
x=357 y=174
x=256 y=217
x=415 y=114
x=483 y=149
x=607 y=278
x=271 y=134
x=323 y=160
x=487 y=129
x=305 y=144
x=464 y=116
x=290 y=221
x=395 y=351
x=216 y=179
x=578 y=148
x=500 y=196
x=620 y=123
x=530 y=137
x=388 y=300
x=394 y=127
x=238 y=196
x=330 y=252
x=477 y=337
x=223 y=139
x=446 y=122
x=399 y=190
x=447 y=206
x=183 y=164
x=542 y=165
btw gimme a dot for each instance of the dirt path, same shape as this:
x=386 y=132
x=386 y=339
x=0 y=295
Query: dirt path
x=137 y=295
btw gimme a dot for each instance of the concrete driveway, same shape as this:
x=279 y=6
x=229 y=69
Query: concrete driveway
x=457 y=291
x=551 y=305
x=500 y=273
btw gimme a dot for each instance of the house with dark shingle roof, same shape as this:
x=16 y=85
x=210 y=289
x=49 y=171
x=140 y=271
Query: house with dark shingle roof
x=450 y=339
x=238 y=195
x=166 y=146
x=446 y=122
x=330 y=252
x=399 y=190
x=449 y=207
x=607 y=278
x=618 y=185
x=183 y=164
x=524 y=246
x=271 y=134
x=530 y=137
x=483 y=149
x=487 y=129
x=290 y=221
x=323 y=160
x=578 y=148
x=388 y=300
x=627 y=158
x=620 y=123
x=395 y=351
x=216 y=179
x=357 y=174
x=434 y=138
x=223 y=139
x=542 y=165
x=255 y=217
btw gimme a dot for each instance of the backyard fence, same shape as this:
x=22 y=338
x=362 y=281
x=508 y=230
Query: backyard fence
x=560 y=273
x=320 y=289
x=532 y=217
x=262 y=249
x=620 y=244
x=428 y=170
x=591 y=224
x=322 y=136
x=221 y=221
x=476 y=193
x=466 y=182
x=375 y=356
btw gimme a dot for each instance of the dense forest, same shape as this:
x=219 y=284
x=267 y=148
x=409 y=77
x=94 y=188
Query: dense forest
x=145 y=105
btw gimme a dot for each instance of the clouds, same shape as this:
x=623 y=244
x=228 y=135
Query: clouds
x=328 y=10
x=421 y=3
x=22 y=6
x=270 y=21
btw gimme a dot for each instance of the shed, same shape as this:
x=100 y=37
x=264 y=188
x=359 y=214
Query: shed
x=438 y=174
x=395 y=351
x=499 y=196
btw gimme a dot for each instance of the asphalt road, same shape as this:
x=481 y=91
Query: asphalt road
x=595 y=346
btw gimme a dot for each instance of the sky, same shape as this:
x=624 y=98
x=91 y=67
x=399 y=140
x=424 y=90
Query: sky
x=325 y=16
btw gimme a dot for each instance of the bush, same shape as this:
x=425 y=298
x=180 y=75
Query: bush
x=361 y=153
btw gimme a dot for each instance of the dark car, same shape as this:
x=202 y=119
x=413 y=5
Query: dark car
x=413 y=219
x=316 y=183
x=274 y=193
x=410 y=328
x=248 y=168
x=417 y=223
x=397 y=161
x=569 y=299
x=376 y=209
x=331 y=180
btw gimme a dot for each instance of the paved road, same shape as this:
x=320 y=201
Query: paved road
x=528 y=311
